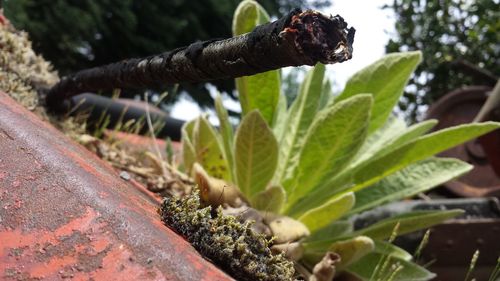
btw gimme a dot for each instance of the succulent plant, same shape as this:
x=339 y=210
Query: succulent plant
x=324 y=159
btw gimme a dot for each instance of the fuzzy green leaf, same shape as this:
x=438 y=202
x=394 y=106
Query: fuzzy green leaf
x=386 y=248
x=208 y=151
x=325 y=214
x=419 y=149
x=407 y=135
x=188 y=129
x=300 y=117
x=332 y=140
x=410 y=181
x=389 y=137
x=188 y=152
x=365 y=267
x=408 y=222
x=326 y=190
x=378 y=140
x=385 y=79
x=280 y=117
x=247 y=16
x=256 y=154
x=326 y=99
x=226 y=131
x=259 y=91
x=335 y=229
x=271 y=199
x=350 y=251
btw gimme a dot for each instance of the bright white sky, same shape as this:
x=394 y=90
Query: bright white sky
x=373 y=28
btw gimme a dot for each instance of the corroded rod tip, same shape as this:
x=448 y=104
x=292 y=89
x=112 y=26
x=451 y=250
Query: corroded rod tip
x=324 y=39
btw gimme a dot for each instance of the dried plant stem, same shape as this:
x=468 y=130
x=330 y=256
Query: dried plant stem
x=422 y=245
x=384 y=261
x=496 y=271
x=472 y=265
x=153 y=137
x=395 y=272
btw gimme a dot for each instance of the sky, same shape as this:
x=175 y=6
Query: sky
x=374 y=27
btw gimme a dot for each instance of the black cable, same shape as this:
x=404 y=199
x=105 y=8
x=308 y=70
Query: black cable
x=299 y=38
x=95 y=106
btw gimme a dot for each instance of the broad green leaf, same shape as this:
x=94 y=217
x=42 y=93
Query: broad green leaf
x=226 y=131
x=416 y=178
x=326 y=99
x=332 y=140
x=327 y=189
x=389 y=249
x=407 y=135
x=385 y=79
x=256 y=154
x=408 y=222
x=332 y=210
x=280 y=117
x=259 y=91
x=188 y=152
x=392 y=135
x=350 y=251
x=208 y=151
x=300 y=117
x=247 y=16
x=366 y=266
x=271 y=199
x=374 y=170
x=188 y=129
x=335 y=229
x=379 y=139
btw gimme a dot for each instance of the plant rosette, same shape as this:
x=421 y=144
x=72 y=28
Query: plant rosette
x=310 y=166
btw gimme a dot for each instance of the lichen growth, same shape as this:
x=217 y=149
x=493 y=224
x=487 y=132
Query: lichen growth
x=22 y=72
x=233 y=246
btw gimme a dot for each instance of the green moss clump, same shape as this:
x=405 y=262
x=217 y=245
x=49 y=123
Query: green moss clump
x=233 y=246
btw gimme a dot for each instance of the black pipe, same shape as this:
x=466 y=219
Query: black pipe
x=121 y=111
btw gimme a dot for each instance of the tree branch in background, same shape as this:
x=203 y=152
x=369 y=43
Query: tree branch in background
x=299 y=38
x=483 y=75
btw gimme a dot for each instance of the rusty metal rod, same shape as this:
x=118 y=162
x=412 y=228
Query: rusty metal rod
x=299 y=38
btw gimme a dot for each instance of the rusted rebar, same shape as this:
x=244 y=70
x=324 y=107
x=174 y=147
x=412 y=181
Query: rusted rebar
x=299 y=38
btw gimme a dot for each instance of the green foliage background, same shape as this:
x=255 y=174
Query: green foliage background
x=446 y=31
